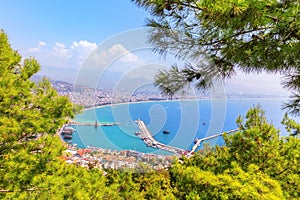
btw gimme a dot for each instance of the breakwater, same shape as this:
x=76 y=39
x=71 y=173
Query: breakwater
x=147 y=137
x=66 y=132
x=96 y=124
x=198 y=141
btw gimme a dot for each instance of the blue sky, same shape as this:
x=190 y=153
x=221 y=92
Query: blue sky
x=63 y=33
x=30 y=21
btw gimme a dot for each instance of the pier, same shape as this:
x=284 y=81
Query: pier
x=96 y=124
x=147 y=137
x=198 y=142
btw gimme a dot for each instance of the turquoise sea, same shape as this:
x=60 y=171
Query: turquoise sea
x=185 y=120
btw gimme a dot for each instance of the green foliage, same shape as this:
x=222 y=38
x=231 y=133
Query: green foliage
x=234 y=183
x=270 y=163
x=291 y=126
x=167 y=86
x=30 y=115
x=220 y=37
x=26 y=109
x=154 y=185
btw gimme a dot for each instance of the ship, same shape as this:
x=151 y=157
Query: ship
x=166 y=132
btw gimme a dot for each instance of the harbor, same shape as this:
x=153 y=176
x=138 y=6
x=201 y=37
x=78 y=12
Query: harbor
x=148 y=139
x=66 y=133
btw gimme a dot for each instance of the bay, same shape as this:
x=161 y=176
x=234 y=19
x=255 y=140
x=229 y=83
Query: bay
x=183 y=120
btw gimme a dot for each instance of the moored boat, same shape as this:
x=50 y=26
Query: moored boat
x=67 y=137
x=67 y=132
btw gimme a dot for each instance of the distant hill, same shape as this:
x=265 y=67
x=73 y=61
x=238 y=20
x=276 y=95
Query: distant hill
x=240 y=86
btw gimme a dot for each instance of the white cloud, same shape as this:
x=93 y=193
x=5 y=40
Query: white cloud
x=129 y=58
x=118 y=51
x=61 y=51
x=62 y=55
x=33 y=49
x=42 y=44
x=83 y=44
x=74 y=55
x=102 y=59
x=59 y=45
x=38 y=48
x=81 y=50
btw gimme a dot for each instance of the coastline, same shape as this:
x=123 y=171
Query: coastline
x=231 y=110
x=175 y=100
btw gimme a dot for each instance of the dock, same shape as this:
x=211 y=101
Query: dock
x=147 y=137
x=198 y=142
x=96 y=124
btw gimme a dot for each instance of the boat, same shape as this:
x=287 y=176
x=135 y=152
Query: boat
x=107 y=124
x=67 y=132
x=68 y=128
x=137 y=133
x=67 y=137
x=196 y=140
x=166 y=132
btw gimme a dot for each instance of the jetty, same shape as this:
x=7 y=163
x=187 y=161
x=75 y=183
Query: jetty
x=96 y=124
x=198 y=141
x=147 y=137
